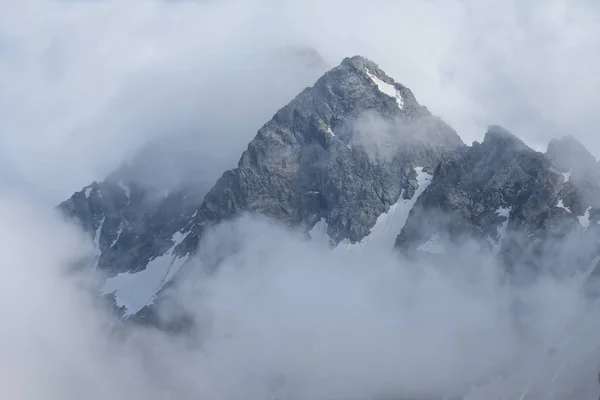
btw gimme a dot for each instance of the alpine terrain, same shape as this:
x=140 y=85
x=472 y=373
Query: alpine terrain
x=357 y=162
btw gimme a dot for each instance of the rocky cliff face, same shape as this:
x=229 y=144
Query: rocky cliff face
x=536 y=212
x=343 y=151
x=139 y=224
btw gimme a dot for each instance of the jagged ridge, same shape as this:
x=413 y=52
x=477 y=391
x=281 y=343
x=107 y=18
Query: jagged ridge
x=342 y=151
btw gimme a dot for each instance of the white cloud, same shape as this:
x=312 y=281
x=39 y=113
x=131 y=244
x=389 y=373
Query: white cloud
x=282 y=316
x=84 y=83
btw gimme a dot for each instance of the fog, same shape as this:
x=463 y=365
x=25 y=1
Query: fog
x=85 y=84
x=288 y=319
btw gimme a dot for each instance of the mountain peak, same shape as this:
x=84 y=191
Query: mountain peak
x=567 y=153
x=341 y=153
x=498 y=136
x=383 y=81
x=353 y=118
x=354 y=88
x=362 y=63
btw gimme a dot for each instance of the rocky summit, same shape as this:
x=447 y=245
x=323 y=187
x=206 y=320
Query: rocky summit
x=342 y=156
x=343 y=151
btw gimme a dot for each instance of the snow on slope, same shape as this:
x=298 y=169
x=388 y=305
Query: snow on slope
x=97 y=242
x=388 y=225
x=561 y=204
x=119 y=232
x=387 y=88
x=584 y=220
x=134 y=291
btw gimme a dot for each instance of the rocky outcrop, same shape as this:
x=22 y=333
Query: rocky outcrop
x=536 y=212
x=343 y=153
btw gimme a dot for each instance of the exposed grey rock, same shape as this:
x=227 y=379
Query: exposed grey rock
x=133 y=218
x=343 y=150
x=537 y=212
x=312 y=161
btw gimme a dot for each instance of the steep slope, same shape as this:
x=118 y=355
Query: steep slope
x=535 y=211
x=343 y=152
x=136 y=220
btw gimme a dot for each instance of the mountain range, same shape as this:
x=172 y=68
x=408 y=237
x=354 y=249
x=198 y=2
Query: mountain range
x=355 y=161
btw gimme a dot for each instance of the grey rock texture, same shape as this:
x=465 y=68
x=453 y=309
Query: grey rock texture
x=342 y=150
x=536 y=212
x=133 y=215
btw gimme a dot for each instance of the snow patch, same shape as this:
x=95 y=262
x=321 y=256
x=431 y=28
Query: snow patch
x=584 y=220
x=567 y=176
x=562 y=205
x=88 y=191
x=118 y=236
x=504 y=212
x=387 y=89
x=330 y=131
x=97 y=242
x=389 y=225
x=134 y=291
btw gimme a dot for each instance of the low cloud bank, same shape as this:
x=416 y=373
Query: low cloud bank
x=288 y=319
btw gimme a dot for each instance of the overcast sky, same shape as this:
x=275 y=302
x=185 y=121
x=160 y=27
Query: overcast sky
x=83 y=83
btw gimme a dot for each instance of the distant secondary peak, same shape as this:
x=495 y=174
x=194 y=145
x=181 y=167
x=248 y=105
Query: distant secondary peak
x=567 y=153
x=499 y=136
x=360 y=62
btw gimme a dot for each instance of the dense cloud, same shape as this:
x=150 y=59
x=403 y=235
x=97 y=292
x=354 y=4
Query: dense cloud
x=286 y=318
x=85 y=83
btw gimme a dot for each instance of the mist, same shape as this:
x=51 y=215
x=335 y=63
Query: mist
x=86 y=84
x=282 y=317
